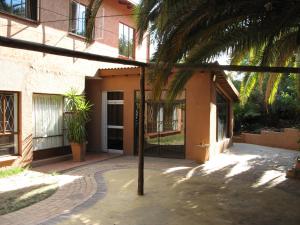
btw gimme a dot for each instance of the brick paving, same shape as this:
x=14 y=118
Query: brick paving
x=78 y=186
x=83 y=187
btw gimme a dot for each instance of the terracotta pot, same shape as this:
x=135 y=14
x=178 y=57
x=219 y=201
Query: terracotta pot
x=290 y=173
x=78 y=151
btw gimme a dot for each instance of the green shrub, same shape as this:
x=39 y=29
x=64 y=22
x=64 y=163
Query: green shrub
x=77 y=116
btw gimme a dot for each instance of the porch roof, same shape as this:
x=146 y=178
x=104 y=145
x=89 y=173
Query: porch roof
x=225 y=82
x=221 y=78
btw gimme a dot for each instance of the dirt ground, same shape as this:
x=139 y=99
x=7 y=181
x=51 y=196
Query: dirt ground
x=245 y=185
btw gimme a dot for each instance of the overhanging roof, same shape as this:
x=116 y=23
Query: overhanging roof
x=225 y=82
x=221 y=78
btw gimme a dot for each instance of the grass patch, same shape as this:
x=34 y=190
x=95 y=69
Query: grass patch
x=177 y=139
x=10 y=171
x=17 y=199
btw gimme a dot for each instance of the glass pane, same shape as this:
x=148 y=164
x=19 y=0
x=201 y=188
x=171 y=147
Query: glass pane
x=122 y=42
x=74 y=13
x=115 y=115
x=78 y=22
x=18 y=7
x=130 y=43
x=81 y=27
x=115 y=139
x=9 y=113
x=5 y=5
x=24 y=8
x=8 y=144
x=222 y=117
x=116 y=95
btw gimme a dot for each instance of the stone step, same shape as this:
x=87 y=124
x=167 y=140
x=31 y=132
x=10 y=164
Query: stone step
x=51 y=160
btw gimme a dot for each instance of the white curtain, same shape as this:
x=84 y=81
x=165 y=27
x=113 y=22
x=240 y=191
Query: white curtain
x=47 y=121
x=160 y=119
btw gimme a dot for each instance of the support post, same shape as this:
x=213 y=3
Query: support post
x=141 y=133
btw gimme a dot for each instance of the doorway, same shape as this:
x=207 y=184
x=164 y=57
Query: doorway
x=112 y=121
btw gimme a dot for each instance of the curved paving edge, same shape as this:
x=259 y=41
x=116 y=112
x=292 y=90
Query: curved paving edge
x=71 y=198
x=100 y=193
x=62 y=201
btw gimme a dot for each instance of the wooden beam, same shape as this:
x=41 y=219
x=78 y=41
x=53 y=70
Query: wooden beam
x=236 y=68
x=27 y=45
x=141 y=133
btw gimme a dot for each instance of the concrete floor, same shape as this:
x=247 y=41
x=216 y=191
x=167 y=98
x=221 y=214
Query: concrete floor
x=246 y=185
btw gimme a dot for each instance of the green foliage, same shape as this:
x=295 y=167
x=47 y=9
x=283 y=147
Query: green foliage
x=77 y=116
x=10 y=171
x=260 y=32
x=253 y=115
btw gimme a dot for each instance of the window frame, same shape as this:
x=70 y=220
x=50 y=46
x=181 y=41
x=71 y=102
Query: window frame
x=24 y=18
x=218 y=92
x=133 y=41
x=18 y=132
x=71 y=20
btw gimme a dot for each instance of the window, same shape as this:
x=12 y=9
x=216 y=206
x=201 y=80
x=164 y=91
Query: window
x=8 y=123
x=126 y=41
x=23 y=8
x=222 y=117
x=78 y=20
x=48 y=124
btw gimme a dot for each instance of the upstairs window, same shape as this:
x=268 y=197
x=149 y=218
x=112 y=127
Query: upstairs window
x=126 y=41
x=22 y=8
x=78 y=21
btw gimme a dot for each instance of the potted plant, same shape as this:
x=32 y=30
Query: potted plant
x=76 y=118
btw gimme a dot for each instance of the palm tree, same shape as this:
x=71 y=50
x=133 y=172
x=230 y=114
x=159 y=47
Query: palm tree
x=257 y=32
x=93 y=9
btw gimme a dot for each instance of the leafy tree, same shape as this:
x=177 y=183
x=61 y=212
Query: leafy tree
x=265 y=32
x=284 y=112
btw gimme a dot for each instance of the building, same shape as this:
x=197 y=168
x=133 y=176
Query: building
x=197 y=125
x=33 y=84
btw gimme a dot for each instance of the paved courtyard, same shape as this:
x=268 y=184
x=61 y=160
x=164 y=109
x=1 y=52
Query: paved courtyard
x=245 y=185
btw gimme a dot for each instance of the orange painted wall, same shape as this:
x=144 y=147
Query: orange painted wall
x=287 y=139
x=94 y=89
x=200 y=117
x=197 y=117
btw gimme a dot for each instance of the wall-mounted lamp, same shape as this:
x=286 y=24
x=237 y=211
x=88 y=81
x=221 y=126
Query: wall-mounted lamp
x=214 y=78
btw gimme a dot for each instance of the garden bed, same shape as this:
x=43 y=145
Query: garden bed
x=21 y=188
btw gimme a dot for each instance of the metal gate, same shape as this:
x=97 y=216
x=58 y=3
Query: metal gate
x=164 y=126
